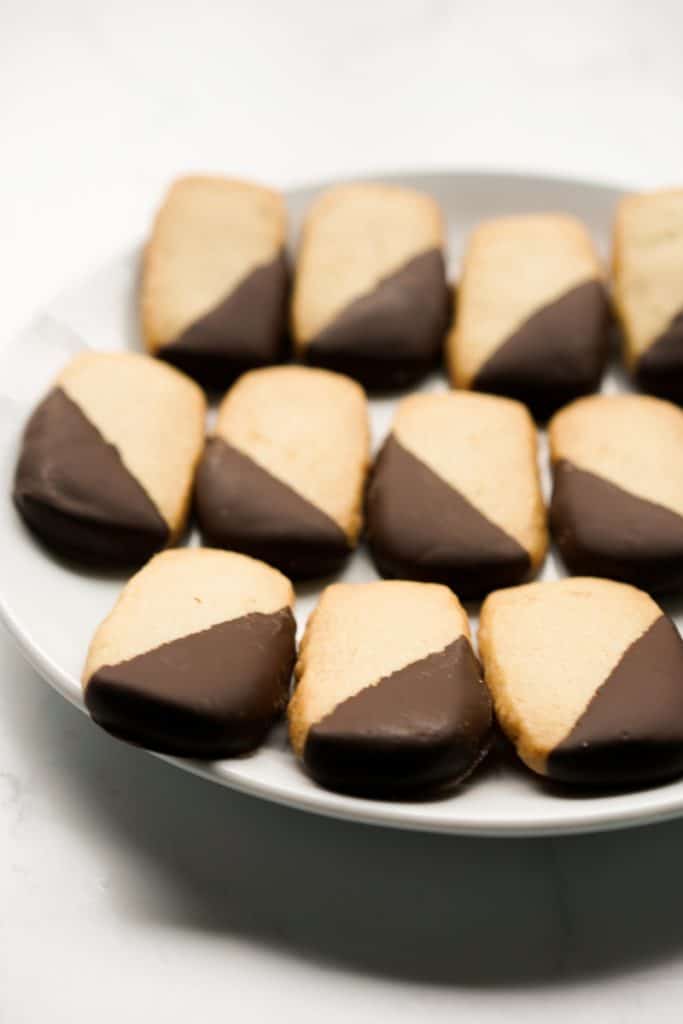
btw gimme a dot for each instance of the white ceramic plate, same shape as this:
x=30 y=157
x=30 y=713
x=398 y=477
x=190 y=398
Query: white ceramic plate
x=52 y=610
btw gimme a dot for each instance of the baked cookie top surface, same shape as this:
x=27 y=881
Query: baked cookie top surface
x=183 y=592
x=355 y=236
x=513 y=268
x=209 y=234
x=633 y=441
x=476 y=443
x=648 y=266
x=151 y=413
x=361 y=632
x=548 y=647
x=309 y=429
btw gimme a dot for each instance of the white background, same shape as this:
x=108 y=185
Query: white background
x=129 y=890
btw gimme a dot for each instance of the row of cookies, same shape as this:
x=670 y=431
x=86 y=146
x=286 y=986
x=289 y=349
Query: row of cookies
x=371 y=299
x=111 y=457
x=454 y=495
x=585 y=675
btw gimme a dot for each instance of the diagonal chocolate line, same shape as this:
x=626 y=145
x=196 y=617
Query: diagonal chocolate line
x=421 y=727
x=73 y=490
x=392 y=335
x=632 y=729
x=421 y=528
x=247 y=328
x=556 y=355
x=242 y=507
x=660 y=367
x=210 y=694
x=602 y=529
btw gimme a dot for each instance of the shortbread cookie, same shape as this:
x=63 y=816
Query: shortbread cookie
x=214 y=282
x=454 y=495
x=648 y=289
x=531 y=317
x=108 y=457
x=617 y=507
x=389 y=696
x=196 y=657
x=282 y=478
x=587 y=680
x=370 y=296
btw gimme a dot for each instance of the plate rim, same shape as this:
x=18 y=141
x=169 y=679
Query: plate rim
x=317 y=800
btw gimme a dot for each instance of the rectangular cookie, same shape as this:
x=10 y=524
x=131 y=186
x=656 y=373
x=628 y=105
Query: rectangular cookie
x=531 y=317
x=196 y=656
x=214 y=281
x=617 y=506
x=587 y=680
x=282 y=478
x=648 y=289
x=389 y=698
x=370 y=295
x=107 y=461
x=454 y=496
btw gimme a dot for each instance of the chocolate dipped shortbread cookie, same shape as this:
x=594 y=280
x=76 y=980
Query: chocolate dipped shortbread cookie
x=389 y=698
x=532 y=314
x=282 y=478
x=107 y=459
x=370 y=296
x=617 y=506
x=214 y=282
x=196 y=657
x=587 y=680
x=648 y=289
x=454 y=495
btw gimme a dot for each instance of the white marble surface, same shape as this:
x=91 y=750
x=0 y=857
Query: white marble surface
x=128 y=889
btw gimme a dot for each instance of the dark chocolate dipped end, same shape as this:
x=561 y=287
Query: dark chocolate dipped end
x=659 y=370
x=73 y=491
x=603 y=530
x=557 y=355
x=247 y=329
x=416 y=731
x=209 y=695
x=242 y=507
x=392 y=336
x=632 y=730
x=420 y=528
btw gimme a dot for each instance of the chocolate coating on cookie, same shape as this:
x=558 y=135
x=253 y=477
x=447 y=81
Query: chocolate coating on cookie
x=617 y=505
x=532 y=315
x=391 y=336
x=389 y=698
x=557 y=354
x=370 y=296
x=107 y=461
x=413 y=731
x=659 y=369
x=244 y=330
x=215 y=279
x=454 y=496
x=633 y=726
x=587 y=680
x=283 y=477
x=243 y=507
x=211 y=694
x=421 y=528
x=603 y=530
x=648 y=289
x=196 y=656
x=72 y=489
